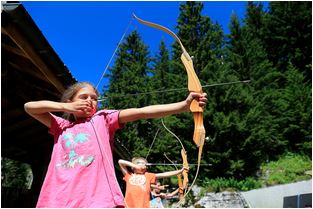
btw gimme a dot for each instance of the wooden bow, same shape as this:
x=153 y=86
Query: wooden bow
x=183 y=183
x=194 y=85
x=183 y=177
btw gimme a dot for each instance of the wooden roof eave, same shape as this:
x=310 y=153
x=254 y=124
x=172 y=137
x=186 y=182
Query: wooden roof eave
x=19 y=26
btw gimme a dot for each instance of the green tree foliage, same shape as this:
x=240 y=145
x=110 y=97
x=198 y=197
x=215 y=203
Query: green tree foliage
x=202 y=39
x=15 y=174
x=288 y=35
x=249 y=121
x=163 y=76
x=129 y=74
x=297 y=112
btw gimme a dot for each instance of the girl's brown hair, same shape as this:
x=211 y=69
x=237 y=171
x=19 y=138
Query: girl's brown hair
x=70 y=93
x=134 y=159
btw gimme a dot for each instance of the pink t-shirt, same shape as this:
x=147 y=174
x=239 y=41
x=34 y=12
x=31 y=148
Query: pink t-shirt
x=81 y=171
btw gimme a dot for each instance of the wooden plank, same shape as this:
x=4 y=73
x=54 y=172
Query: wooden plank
x=12 y=49
x=32 y=55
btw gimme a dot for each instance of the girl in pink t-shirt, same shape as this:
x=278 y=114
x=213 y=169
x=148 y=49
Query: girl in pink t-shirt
x=81 y=171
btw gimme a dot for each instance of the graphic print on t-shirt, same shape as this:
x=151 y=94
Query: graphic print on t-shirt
x=72 y=158
x=138 y=180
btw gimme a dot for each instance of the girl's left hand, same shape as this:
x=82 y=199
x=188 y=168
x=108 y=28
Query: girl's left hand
x=200 y=97
x=163 y=187
x=185 y=168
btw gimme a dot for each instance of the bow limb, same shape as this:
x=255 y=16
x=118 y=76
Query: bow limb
x=166 y=30
x=185 y=165
x=182 y=183
x=181 y=189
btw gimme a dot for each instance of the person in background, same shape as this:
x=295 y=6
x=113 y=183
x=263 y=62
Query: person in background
x=157 y=196
x=139 y=181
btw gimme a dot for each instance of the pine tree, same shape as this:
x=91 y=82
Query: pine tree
x=129 y=75
x=289 y=35
x=163 y=77
x=297 y=112
x=202 y=39
x=246 y=130
x=288 y=40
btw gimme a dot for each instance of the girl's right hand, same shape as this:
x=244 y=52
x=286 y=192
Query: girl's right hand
x=80 y=107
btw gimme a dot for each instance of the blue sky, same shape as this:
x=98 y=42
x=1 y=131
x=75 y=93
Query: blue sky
x=85 y=33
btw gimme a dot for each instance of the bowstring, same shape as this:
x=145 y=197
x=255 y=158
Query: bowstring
x=117 y=47
x=152 y=143
x=173 y=135
x=172 y=163
x=181 y=200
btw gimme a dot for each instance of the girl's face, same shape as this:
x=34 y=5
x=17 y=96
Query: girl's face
x=141 y=163
x=157 y=190
x=88 y=95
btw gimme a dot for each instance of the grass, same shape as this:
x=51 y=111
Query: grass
x=288 y=169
